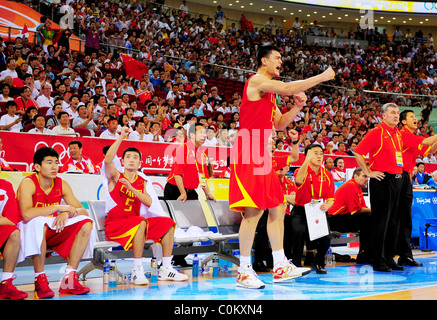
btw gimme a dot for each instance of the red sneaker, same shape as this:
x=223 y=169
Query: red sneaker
x=42 y=289
x=70 y=284
x=9 y=291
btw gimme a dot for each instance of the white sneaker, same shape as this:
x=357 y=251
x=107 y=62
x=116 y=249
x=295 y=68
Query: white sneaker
x=138 y=277
x=247 y=278
x=170 y=273
x=286 y=270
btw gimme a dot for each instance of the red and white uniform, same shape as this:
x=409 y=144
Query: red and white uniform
x=125 y=211
x=8 y=209
x=338 y=174
x=85 y=165
x=32 y=232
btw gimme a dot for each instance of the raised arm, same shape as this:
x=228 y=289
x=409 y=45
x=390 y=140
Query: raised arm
x=283 y=120
x=110 y=170
x=260 y=83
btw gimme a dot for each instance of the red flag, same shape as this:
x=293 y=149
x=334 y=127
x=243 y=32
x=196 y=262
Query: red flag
x=25 y=29
x=133 y=67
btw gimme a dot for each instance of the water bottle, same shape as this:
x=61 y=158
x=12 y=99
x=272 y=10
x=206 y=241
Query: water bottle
x=195 y=273
x=106 y=273
x=153 y=271
x=113 y=274
x=329 y=256
x=215 y=266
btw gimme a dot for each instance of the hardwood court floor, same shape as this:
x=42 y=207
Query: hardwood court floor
x=344 y=281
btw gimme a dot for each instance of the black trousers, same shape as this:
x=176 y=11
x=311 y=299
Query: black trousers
x=385 y=198
x=358 y=222
x=300 y=236
x=406 y=224
x=171 y=192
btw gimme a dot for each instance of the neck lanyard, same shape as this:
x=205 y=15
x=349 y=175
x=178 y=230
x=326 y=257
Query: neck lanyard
x=195 y=160
x=312 y=187
x=392 y=140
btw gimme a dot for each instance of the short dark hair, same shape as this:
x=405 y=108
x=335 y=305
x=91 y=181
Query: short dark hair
x=311 y=146
x=336 y=160
x=131 y=149
x=193 y=128
x=41 y=153
x=10 y=103
x=79 y=144
x=403 y=115
x=60 y=114
x=263 y=52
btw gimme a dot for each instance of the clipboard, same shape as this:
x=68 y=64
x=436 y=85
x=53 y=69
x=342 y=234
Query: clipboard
x=316 y=220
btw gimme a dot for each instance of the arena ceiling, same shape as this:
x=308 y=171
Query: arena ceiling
x=326 y=15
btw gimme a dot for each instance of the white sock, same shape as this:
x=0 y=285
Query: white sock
x=278 y=256
x=38 y=273
x=245 y=262
x=138 y=263
x=6 y=276
x=68 y=270
x=166 y=262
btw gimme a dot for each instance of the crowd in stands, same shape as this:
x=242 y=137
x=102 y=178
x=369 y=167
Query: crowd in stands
x=197 y=70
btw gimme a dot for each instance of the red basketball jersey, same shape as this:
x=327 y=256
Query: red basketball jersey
x=126 y=201
x=41 y=199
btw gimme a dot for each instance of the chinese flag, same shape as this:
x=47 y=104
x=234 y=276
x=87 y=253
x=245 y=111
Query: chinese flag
x=133 y=67
x=25 y=29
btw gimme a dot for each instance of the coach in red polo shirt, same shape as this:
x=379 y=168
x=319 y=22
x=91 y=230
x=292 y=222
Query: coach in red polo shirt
x=413 y=145
x=384 y=146
x=350 y=212
x=190 y=169
x=313 y=182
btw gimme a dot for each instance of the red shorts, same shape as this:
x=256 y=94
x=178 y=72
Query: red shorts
x=62 y=242
x=123 y=230
x=253 y=182
x=5 y=232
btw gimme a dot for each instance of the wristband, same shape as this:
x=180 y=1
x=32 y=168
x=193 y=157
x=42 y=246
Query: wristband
x=295 y=142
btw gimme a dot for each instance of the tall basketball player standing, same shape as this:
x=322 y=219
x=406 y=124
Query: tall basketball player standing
x=254 y=185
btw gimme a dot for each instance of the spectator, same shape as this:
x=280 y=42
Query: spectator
x=64 y=125
x=433 y=181
x=4 y=96
x=40 y=123
x=10 y=69
x=53 y=120
x=92 y=40
x=111 y=131
x=85 y=119
x=421 y=177
x=24 y=101
x=77 y=162
x=140 y=131
x=155 y=133
x=339 y=171
x=11 y=121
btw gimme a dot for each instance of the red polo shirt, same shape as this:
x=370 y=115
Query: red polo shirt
x=348 y=199
x=316 y=185
x=382 y=144
x=188 y=163
x=412 y=148
x=21 y=106
x=289 y=187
